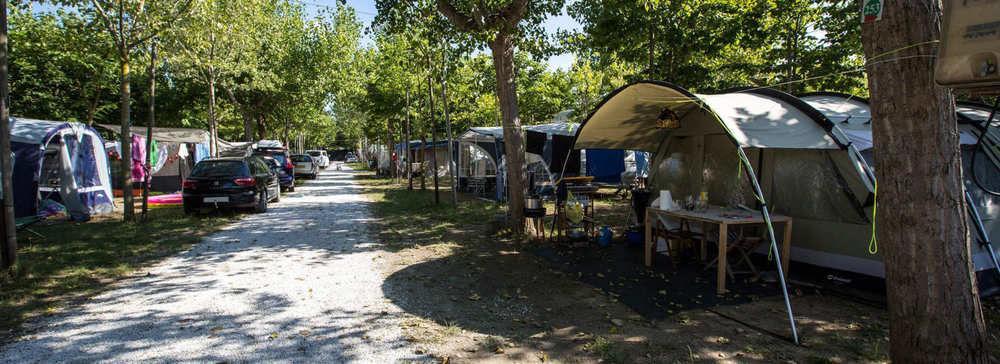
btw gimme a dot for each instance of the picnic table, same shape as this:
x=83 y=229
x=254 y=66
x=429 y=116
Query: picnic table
x=724 y=218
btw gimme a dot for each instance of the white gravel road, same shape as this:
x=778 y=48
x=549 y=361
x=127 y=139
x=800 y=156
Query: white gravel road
x=299 y=283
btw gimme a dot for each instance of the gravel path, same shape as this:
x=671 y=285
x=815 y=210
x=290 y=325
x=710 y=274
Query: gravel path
x=296 y=284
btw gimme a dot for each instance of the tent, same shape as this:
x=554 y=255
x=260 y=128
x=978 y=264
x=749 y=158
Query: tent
x=63 y=162
x=852 y=114
x=807 y=167
x=548 y=149
x=176 y=150
x=438 y=149
x=759 y=148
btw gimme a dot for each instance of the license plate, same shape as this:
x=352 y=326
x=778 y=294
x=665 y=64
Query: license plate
x=216 y=199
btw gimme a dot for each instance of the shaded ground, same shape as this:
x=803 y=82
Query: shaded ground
x=299 y=283
x=470 y=297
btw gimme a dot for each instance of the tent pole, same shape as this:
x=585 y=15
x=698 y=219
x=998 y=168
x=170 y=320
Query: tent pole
x=984 y=238
x=770 y=234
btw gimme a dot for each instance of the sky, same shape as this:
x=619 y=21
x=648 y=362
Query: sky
x=366 y=13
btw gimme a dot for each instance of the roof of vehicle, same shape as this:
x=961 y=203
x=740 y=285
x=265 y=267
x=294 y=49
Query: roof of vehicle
x=223 y=159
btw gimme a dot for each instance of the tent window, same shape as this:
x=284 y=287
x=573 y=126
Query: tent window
x=805 y=184
x=986 y=172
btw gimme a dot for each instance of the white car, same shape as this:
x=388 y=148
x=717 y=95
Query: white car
x=320 y=157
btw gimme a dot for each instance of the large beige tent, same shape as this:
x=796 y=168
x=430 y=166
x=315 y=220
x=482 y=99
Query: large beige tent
x=759 y=148
x=806 y=167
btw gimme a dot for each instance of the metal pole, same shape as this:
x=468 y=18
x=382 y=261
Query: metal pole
x=770 y=234
x=447 y=123
x=984 y=238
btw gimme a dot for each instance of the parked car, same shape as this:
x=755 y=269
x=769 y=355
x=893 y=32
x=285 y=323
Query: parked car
x=320 y=157
x=305 y=166
x=351 y=158
x=230 y=182
x=287 y=175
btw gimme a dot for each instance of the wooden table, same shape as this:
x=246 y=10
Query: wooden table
x=724 y=218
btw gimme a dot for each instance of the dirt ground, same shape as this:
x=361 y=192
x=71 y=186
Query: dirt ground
x=471 y=296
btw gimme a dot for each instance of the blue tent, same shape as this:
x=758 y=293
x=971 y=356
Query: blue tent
x=63 y=162
x=606 y=165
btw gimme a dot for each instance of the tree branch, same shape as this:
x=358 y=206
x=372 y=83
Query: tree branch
x=461 y=21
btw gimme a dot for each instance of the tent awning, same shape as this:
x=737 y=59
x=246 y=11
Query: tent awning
x=168 y=135
x=628 y=119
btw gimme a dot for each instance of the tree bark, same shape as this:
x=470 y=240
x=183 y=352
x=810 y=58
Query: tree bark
x=935 y=316
x=126 y=136
x=503 y=62
x=9 y=251
x=447 y=124
x=433 y=123
x=406 y=148
x=213 y=131
x=423 y=158
x=149 y=130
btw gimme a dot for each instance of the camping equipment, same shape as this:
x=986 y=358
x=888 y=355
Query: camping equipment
x=604 y=238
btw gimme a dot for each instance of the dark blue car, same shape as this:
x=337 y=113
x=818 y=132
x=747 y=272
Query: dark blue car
x=283 y=163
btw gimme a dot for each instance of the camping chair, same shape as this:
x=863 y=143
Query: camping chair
x=670 y=231
x=742 y=245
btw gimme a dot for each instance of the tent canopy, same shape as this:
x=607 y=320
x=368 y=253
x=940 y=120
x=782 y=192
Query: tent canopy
x=628 y=119
x=168 y=135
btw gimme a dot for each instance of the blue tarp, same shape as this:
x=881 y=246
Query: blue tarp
x=605 y=165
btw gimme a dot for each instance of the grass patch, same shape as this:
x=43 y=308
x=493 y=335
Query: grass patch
x=412 y=217
x=77 y=260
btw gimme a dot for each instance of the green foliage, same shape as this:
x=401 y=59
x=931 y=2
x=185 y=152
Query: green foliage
x=711 y=45
x=61 y=67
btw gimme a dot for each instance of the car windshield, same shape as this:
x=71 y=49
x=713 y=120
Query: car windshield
x=314 y=153
x=220 y=169
x=301 y=158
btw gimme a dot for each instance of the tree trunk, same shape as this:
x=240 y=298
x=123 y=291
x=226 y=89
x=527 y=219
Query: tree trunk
x=406 y=148
x=213 y=132
x=423 y=158
x=126 y=137
x=447 y=124
x=149 y=130
x=503 y=62
x=433 y=124
x=9 y=251
x=935 y=316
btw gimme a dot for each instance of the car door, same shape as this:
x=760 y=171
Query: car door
x=268 y=177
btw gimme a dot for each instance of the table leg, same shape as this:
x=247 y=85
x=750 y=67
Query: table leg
x=723 y=245
x=704 y=252
x=786 y=247
x=648 y=241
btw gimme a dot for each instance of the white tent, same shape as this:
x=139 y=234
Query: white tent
x=852 y=114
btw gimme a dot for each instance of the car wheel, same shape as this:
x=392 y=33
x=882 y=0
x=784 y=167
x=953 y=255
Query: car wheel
x=261 y=203
x=291 y=188
x=188 y=210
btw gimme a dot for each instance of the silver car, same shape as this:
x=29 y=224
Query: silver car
x=305 y=166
